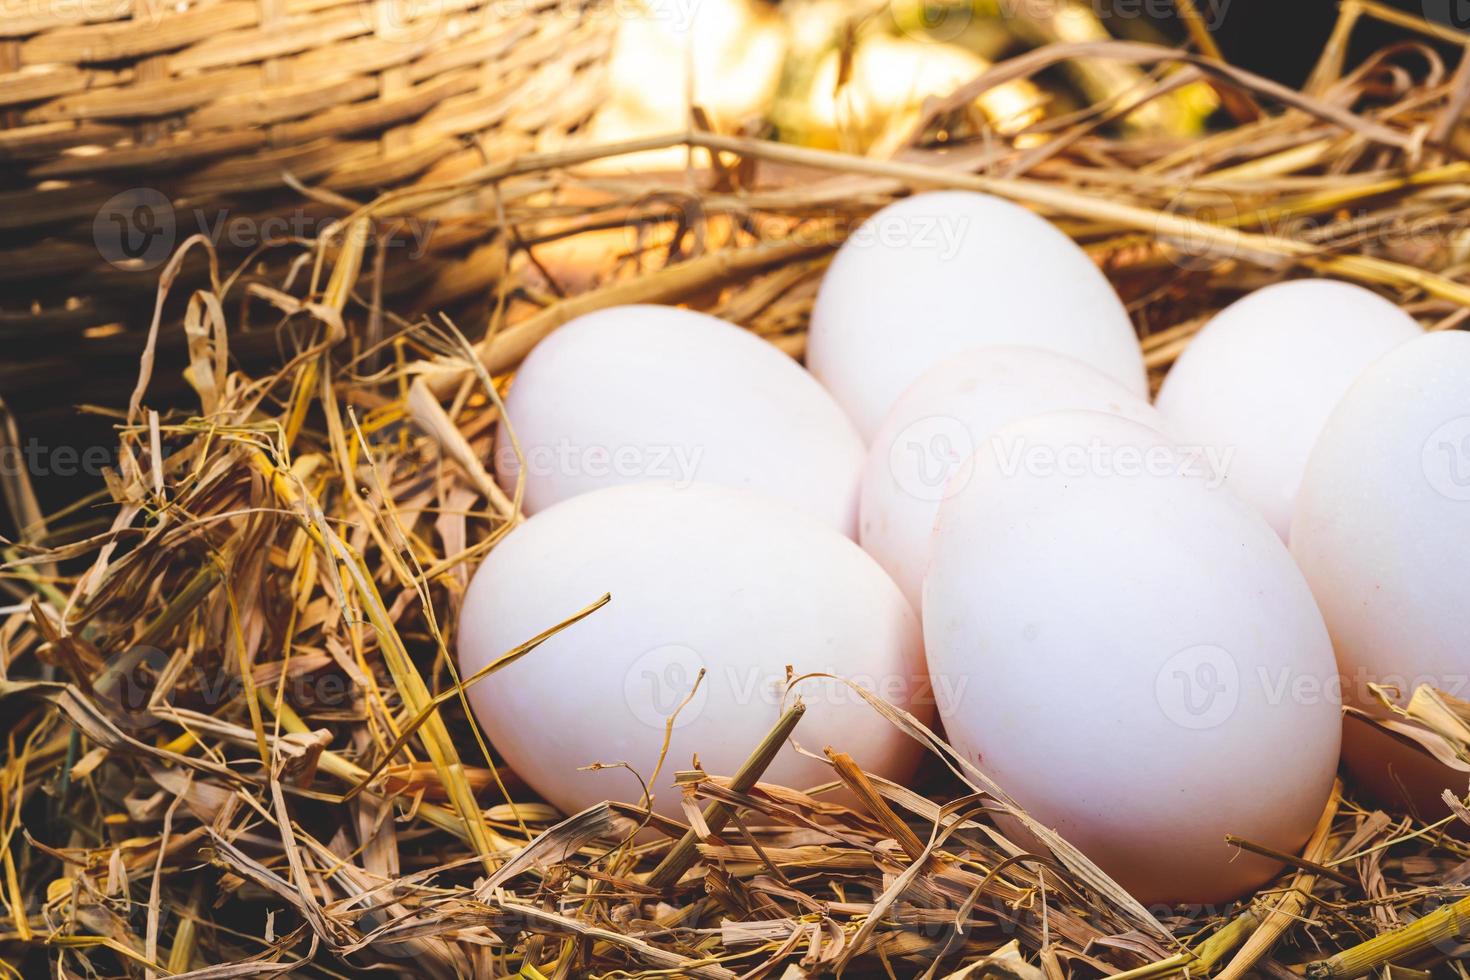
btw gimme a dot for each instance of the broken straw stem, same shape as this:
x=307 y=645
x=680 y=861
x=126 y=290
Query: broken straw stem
x=182 y=604
x=1292 y=859
x=1202 y=958
x=718 y=813
x=858 y=782
x=1445 y=924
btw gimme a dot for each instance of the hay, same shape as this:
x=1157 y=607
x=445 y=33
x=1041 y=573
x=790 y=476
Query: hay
x=238 y=745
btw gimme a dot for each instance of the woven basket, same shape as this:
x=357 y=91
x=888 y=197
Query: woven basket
x=128 y=125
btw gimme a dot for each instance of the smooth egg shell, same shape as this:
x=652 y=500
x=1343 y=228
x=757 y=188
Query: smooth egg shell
x=1382 y=525
x=656 y=393
x=940 y=421
x=1260 y=379
x=1129 y=651
x=703 y=577
x=941 y=272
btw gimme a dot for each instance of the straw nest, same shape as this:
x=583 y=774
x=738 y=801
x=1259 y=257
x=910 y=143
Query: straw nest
x=127 y=124
x=238 y=745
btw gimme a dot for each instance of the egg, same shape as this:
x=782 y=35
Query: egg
x=1127 y=648
x=936 y=425
x=703 y=578
x=640 y=393
x=1262 y=376
x=1382 y=525
x=938 y=273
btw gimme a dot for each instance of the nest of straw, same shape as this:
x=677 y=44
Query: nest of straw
x=237 y=744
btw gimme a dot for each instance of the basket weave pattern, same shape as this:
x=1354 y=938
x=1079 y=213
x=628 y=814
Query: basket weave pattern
x=218 y=105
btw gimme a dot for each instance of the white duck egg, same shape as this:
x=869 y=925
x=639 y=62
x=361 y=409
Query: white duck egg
x=704 y=578
x=1129 y=651
x=937 y=273
x=655 y=393
x=1258 y=382
x=936 y=427
x=1382 y=533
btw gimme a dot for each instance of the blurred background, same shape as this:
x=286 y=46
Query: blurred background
x=113 y=130
x=846 y=73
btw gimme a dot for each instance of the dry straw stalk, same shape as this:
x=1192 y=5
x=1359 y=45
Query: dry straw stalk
x=240 y=745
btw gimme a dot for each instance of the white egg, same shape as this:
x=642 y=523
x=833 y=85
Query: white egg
x=1262 y=376
x=939 y=422
x=938 y=273
x=638 y=393
x=702 y=578
x=1129 y=651
x=1382 y=522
